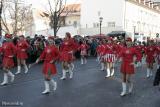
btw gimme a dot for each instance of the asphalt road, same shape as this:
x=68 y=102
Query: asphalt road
x=88 y=88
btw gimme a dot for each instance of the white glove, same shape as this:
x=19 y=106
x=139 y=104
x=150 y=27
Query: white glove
x=10 y=56
x=23 y=50
x=37 y=60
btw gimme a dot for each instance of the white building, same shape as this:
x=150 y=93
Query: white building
x=70 y=22
x=140 y=17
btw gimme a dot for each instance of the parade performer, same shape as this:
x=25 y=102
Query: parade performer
x=98 y=51
x=102 y=49
x=49 y=55
x=67 y=50
x=158 y=55
x=22 y=55
x=83 y=51
x=150 y=57
x=157 y=76
x=127 y=67
x=8 y=50
x=110 y=57
x=139 y=49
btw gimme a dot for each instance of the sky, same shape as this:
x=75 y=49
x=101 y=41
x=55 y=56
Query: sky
x=43 y=3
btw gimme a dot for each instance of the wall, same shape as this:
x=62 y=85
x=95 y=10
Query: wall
x=94 y=31
x=145 y=21
x=61 y=32
x=71 y=19
x=110 y=10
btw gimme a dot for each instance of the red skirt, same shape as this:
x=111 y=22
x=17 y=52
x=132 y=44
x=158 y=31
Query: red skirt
x=83 y=52
x=22 y=55
x=49 y=68
x=8 y=62
x=110 y=58
x=66 y=57
x=158 y=58
x=150 y=59
x=127 y=68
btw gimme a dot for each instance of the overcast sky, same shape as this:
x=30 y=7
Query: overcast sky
x=43 y=3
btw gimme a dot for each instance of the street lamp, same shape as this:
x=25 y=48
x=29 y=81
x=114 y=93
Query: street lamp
x=134 y=31
x=100 y=21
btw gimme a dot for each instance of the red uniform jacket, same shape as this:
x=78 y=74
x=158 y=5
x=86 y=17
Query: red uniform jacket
x=139 y=49
x=49 y=54
x=102 y=49
x=68 y=45
x=22 y=47
x=8 y=50
x=158 y=54
x=119 y=48
x=110 y=49
x=67 y=49
x=150 y=54
x=127 y=55
x=83 y=48
x=98 y=49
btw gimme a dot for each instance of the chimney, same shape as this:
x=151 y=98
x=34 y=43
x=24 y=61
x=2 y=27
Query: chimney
x=152 y=4
x=149 y=4
x=144 y=2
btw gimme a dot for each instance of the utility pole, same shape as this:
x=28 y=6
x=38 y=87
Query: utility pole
x=1 y=8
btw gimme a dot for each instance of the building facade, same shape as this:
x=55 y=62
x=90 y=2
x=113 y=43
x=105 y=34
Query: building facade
x=139 y=18
x=70 y=22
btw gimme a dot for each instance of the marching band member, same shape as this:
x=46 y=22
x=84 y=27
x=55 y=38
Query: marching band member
x=98 y=51
x=8 y=50
x=158 y=55
x=115 y=52
x=102 y=54
x=139 y=49
x=150 y=57
x=110 y=57
x=143 y=62
x=50 y=54
x=127 y=67
x=83 y=47
x=22 y=47
x=67 y=50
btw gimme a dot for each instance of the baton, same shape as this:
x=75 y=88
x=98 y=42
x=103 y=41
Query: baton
x=31 y=65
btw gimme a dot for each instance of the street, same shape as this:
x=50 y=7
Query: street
x=88 y=88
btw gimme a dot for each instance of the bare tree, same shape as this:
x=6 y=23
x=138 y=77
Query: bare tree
x=16 y=16
x=19 y=15
x=56 y=9
x=4 y=19
x=1 y=9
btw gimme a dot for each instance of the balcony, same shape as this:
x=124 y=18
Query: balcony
x=148 y=4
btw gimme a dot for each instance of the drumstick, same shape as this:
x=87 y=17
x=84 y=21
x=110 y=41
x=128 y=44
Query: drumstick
x=30 y=65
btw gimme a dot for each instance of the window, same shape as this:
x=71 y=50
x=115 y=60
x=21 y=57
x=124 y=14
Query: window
x=86 y=25
x=75 y=23
x=111 y=24
x=69 y=22
x=126 y=23
x=95 y=25
x=98 y=25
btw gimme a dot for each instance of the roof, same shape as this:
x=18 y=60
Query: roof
x=73 y=8
x=40 y=14
x=70 y=10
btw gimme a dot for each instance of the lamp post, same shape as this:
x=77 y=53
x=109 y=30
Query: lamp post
x=100 y=21
x=134 y=31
